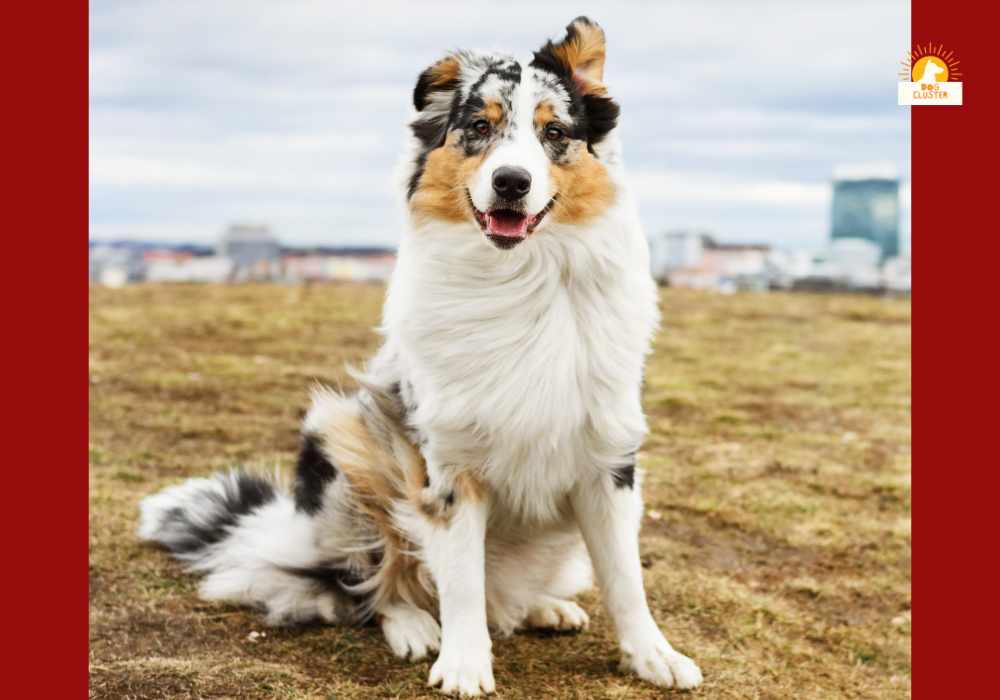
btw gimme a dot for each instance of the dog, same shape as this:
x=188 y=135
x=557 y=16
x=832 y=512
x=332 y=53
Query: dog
x=486 y=469
x=931 y=71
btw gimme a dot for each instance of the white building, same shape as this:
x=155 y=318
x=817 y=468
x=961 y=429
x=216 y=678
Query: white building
x=695 y=259
x=115 y=266
x=196 y=269
x=255 y=252
x=674 y=250
x=854 y=261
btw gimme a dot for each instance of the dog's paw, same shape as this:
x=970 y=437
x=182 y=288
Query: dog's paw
x=655 y=661
x=411 y=632
x=558 y=614
x=464 y=672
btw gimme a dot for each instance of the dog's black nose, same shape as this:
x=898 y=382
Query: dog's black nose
x=510 y=182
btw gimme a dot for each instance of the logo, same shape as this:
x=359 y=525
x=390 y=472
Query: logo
x=930 y=76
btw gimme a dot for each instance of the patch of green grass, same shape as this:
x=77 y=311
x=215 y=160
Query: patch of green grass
x=776 y=542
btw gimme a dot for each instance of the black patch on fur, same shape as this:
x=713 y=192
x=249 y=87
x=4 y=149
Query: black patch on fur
x=244 y=494
x=624 y=476
x=337 y=579
x=330 y=576
x=602 y=116
x=418 y=170
x=449 y=500
x=312 y=473
x=593 y=115
x=509 y=72
x=429 y=133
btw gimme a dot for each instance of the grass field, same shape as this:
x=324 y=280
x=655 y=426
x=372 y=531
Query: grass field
x=776 y=541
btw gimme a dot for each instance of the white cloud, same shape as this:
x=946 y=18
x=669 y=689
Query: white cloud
x=667 y=186
x=128 y=172
x=735 y=112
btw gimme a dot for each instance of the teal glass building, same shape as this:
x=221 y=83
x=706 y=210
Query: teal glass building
x=868 y=208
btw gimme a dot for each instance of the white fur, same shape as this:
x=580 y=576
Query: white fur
x=249 y=566
x=456 y=556
x=557 y=614
x=609 y=518
x=411 y=632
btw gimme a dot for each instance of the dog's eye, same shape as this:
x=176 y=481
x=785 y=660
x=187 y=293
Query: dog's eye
x=554 y=132
x=482 y=127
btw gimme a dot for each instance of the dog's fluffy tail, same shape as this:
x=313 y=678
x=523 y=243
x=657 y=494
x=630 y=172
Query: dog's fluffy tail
x=244 y=532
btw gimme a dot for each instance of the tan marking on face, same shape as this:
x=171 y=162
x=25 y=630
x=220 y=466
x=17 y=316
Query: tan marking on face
x=585 y=189
x=493 y=111
x=441 y=192
x=544 y=114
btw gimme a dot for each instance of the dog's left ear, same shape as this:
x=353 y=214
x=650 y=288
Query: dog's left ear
x=432 y=99
x=440 y=78
x=580 y=56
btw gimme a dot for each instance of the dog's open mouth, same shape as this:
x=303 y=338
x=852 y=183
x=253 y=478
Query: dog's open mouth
x=507 y=227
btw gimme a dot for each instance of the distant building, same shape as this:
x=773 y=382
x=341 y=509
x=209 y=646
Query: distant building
x=362 y=269
x=304 y=267
x=345 y=264
x=156 y=255
x=849 y=264
x=114 y=266
x=787 y=266
x=213 y=268
x=675 y=250
x=866 y=206
x=696 y=259
x=253 y=250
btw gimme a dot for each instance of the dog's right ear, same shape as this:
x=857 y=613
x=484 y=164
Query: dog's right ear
x=432 y=98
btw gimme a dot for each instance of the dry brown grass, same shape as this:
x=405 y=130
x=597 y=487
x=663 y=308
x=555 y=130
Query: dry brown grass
x=776 y=540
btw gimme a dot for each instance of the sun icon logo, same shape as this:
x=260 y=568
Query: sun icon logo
x=930 y=74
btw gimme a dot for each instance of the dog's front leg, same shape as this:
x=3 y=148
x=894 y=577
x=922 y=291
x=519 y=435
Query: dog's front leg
x=608 y=511
x=455 y=552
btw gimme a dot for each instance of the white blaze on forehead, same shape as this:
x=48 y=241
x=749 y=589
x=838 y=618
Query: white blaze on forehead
x=518 y=147
x=491 y=87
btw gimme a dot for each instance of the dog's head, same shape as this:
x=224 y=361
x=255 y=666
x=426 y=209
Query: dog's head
x=508 y=146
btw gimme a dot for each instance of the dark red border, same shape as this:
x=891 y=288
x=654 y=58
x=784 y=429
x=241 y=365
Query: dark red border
x=955 y=372
x=44 y=273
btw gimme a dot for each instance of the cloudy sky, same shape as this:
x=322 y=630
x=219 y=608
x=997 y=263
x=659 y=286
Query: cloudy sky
x=735 y=112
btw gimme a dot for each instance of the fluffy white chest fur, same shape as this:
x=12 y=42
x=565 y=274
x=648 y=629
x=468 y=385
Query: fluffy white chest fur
x=524 y=365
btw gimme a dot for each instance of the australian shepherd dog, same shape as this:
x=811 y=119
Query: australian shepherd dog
x=485 y=470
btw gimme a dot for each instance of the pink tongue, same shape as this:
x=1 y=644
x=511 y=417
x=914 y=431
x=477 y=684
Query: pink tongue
x=507 y=225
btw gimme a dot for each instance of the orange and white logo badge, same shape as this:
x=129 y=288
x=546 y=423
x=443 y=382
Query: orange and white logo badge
x=930 y=76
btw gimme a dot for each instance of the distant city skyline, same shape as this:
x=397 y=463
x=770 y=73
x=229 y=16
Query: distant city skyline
x=292 y=114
